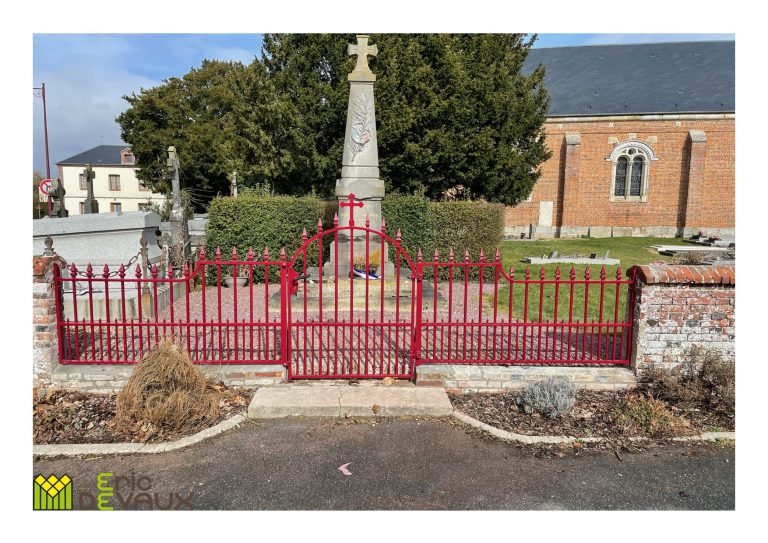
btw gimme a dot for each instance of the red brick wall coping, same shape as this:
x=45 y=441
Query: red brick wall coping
x=689 y=275
x=41 y=264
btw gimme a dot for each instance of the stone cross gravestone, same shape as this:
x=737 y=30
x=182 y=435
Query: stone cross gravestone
x=360 y=161
x=178 y=219
x=57 y=194
x=91 y=205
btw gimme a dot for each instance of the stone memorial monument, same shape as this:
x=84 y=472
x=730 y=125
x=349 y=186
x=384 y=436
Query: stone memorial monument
x=360 y=162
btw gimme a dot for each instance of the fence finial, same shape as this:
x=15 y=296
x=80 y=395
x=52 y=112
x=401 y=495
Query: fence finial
x=48 y=251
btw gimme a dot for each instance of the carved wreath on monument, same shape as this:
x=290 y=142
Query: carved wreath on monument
x=362 y=129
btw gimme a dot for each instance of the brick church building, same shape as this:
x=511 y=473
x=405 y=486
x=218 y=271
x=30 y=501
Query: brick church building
x=642 y=140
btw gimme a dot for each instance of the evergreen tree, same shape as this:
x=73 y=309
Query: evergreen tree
x=221 y=117
x=453 y=113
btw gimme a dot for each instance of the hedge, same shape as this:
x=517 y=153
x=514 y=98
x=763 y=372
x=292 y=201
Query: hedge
x=445 y=225
x=264 y=221
x=277 y=221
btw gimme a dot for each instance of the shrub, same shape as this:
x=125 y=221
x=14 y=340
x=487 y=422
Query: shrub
x=167 y=394
x=704 y=378
x=552 y=397
x=444 y=225
x=644 y=414
x=259 y=221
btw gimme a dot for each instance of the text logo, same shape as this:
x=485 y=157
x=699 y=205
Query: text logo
x=52 y=494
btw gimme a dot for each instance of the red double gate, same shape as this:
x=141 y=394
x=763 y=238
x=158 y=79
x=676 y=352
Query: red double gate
x=380 y=317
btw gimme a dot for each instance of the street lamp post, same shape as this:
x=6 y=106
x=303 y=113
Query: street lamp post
x=47 y=160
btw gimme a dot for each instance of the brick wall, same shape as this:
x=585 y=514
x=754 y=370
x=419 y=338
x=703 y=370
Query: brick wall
x=665 y=210
x=44 y=338
x=680 y=306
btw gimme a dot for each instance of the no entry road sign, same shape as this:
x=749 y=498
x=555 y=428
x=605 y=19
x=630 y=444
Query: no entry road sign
x=46 y=185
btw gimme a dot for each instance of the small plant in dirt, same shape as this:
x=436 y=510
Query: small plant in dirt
x=689 y=259
x=705 y=379
x=166 y=396
x=646 y=415
x=552 y=397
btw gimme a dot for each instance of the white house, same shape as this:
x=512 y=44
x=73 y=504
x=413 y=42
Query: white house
x=115 y=185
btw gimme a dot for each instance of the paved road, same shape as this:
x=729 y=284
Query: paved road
x=404 y=465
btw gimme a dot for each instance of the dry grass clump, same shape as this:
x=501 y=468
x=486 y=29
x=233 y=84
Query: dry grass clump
x=690 y=259
x=646 y=415
x=705 y=380
x=166 y=396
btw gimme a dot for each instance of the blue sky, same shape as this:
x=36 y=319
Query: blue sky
x=86 y=76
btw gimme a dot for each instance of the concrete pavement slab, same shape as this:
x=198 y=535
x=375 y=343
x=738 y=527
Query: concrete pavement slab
x=343 y=400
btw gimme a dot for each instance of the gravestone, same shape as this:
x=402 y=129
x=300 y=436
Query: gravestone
x=360 y=163
x=57 y=194
x=91 y=205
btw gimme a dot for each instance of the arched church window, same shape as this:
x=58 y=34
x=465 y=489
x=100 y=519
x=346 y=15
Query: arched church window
x=630 y=177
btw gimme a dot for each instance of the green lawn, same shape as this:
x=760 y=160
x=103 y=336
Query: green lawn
x=630 y=251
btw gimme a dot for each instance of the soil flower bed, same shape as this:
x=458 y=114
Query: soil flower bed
x=615 y=415
x=70 y=417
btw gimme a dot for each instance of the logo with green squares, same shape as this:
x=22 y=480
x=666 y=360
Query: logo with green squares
x=53 y=493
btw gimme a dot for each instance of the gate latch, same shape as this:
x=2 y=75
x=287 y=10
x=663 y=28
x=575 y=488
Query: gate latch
x=294 y=278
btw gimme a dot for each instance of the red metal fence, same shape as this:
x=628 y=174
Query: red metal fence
x=365 y=324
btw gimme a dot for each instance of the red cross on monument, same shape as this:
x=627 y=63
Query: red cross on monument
x=351 y=204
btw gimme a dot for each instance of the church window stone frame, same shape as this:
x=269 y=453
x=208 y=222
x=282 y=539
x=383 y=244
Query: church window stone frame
x=630 y=171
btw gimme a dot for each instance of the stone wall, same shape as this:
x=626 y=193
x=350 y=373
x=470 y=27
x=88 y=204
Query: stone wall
x=691 y=185
x=467 y=378
x=111 y=378
x=680 y=306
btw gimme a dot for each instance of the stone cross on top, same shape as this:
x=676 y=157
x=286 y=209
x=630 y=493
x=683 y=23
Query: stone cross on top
x=362 y=72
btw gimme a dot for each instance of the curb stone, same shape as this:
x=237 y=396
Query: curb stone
x=233 y=422
x=133 y=448
x=511 y=436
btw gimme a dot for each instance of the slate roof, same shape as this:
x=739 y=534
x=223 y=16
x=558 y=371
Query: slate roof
x=683 y=77
x=102 y=155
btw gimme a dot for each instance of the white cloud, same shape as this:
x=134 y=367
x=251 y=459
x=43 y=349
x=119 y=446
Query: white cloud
x=83 y=95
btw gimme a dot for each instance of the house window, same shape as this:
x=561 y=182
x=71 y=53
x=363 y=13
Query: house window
x=83 y=184
x=630 y=171
x=115 y=207
x=128 y=157
x=114 y=182
x=143 y=187
x=145 y=206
